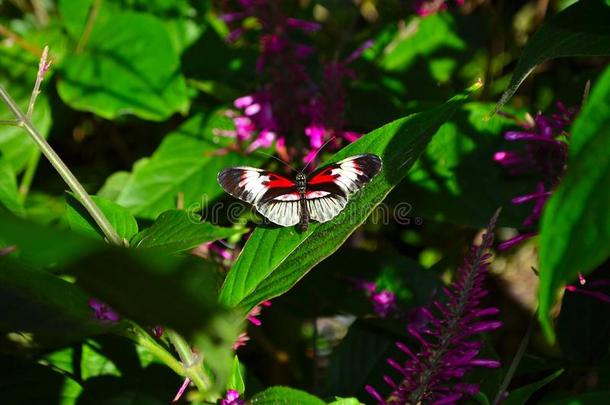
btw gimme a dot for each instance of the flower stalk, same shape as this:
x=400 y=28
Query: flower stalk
x=23 y=120
x=445 y=334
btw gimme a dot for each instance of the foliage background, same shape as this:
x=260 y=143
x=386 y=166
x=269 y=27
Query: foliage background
x=132 y=103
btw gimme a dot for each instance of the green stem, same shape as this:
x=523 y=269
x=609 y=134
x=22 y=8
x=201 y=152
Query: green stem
x=63 y=170
x=84 y=38
x=28 y=175
x=143 y=339
x=192 y=365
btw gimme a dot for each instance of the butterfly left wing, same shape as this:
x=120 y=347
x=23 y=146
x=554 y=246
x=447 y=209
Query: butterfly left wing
x=273 y=195
x=330 y=187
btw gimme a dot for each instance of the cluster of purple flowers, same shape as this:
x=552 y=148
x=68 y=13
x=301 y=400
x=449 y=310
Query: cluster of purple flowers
x=545 y=155
x=445 y=334
x=232 y=398
x=288 y=102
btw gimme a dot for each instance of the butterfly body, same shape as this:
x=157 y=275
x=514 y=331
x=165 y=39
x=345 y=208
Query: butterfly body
x=287 y=202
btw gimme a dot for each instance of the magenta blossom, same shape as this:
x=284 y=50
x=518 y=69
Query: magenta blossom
x=383 y=301
x=545 y=155
x=428 y=7
x=103 y=312
x=446 y=334
x=232 y=398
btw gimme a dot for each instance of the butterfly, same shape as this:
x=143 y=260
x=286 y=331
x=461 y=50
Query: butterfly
x=286 y=202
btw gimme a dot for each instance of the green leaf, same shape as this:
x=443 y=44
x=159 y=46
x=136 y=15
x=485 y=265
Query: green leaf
x=128 y=67
x=185 y=162
x=42 y=246
x=145 y=286
x=575 y=230
x=579 y=30
x=274 y=259
x=522 y=394
x=345 y=401
x=446 y=185
x=236 y=380
x=9 y=196
x=285 y=395
x=113 y=185
x=176 y=231
x=17 y=75
x=80 y=220
x=44 y=308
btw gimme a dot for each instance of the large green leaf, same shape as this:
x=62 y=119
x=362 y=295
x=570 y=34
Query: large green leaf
x=285 y=395
x=17 y=75
x=120 y=219
x=274 y=259
x=186 y=162
x=579 y=30
x=128 y=67
x=52 y=310
x=176 y=231
x=9 y=196
x=575 y=230
x=446 y=185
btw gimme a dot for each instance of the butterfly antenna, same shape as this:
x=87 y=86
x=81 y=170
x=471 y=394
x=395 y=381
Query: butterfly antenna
x=318 y=151
x=278 y=159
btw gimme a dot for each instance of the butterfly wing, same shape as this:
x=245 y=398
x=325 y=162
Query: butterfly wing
x=274 y=196
x=329 y=188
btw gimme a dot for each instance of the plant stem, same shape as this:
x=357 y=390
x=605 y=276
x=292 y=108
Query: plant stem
x=516 y=360
x=28 y=175
x=63 y=170
x=191 y=363
x=84 y=38
x=20 y=42
x=141 y=338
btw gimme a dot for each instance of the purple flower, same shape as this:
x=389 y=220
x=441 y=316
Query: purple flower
x=382 y=300
x=103 y=312
x=544 y=155
x=445 y=333
x=428 y=7
x=232 y=398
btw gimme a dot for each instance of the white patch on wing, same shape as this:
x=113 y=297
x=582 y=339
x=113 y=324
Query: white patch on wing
x=316 y=194
x=326 y=208
x=288 y=197
x=284 y=213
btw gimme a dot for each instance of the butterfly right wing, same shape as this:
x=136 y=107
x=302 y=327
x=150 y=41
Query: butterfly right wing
x=274 y=196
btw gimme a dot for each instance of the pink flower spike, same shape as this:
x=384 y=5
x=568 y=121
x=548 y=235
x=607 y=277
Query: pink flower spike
x=232 y=398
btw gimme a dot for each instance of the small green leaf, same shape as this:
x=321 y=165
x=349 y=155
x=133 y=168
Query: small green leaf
x=236 y=380
x=186 y=162
x=579 y=30
x=176 y=231
x=274 y=259
x=9 y=196
x=284 y=395
x=80 y=220
x=129 y=66
x=575 y=230
x=522 y=394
